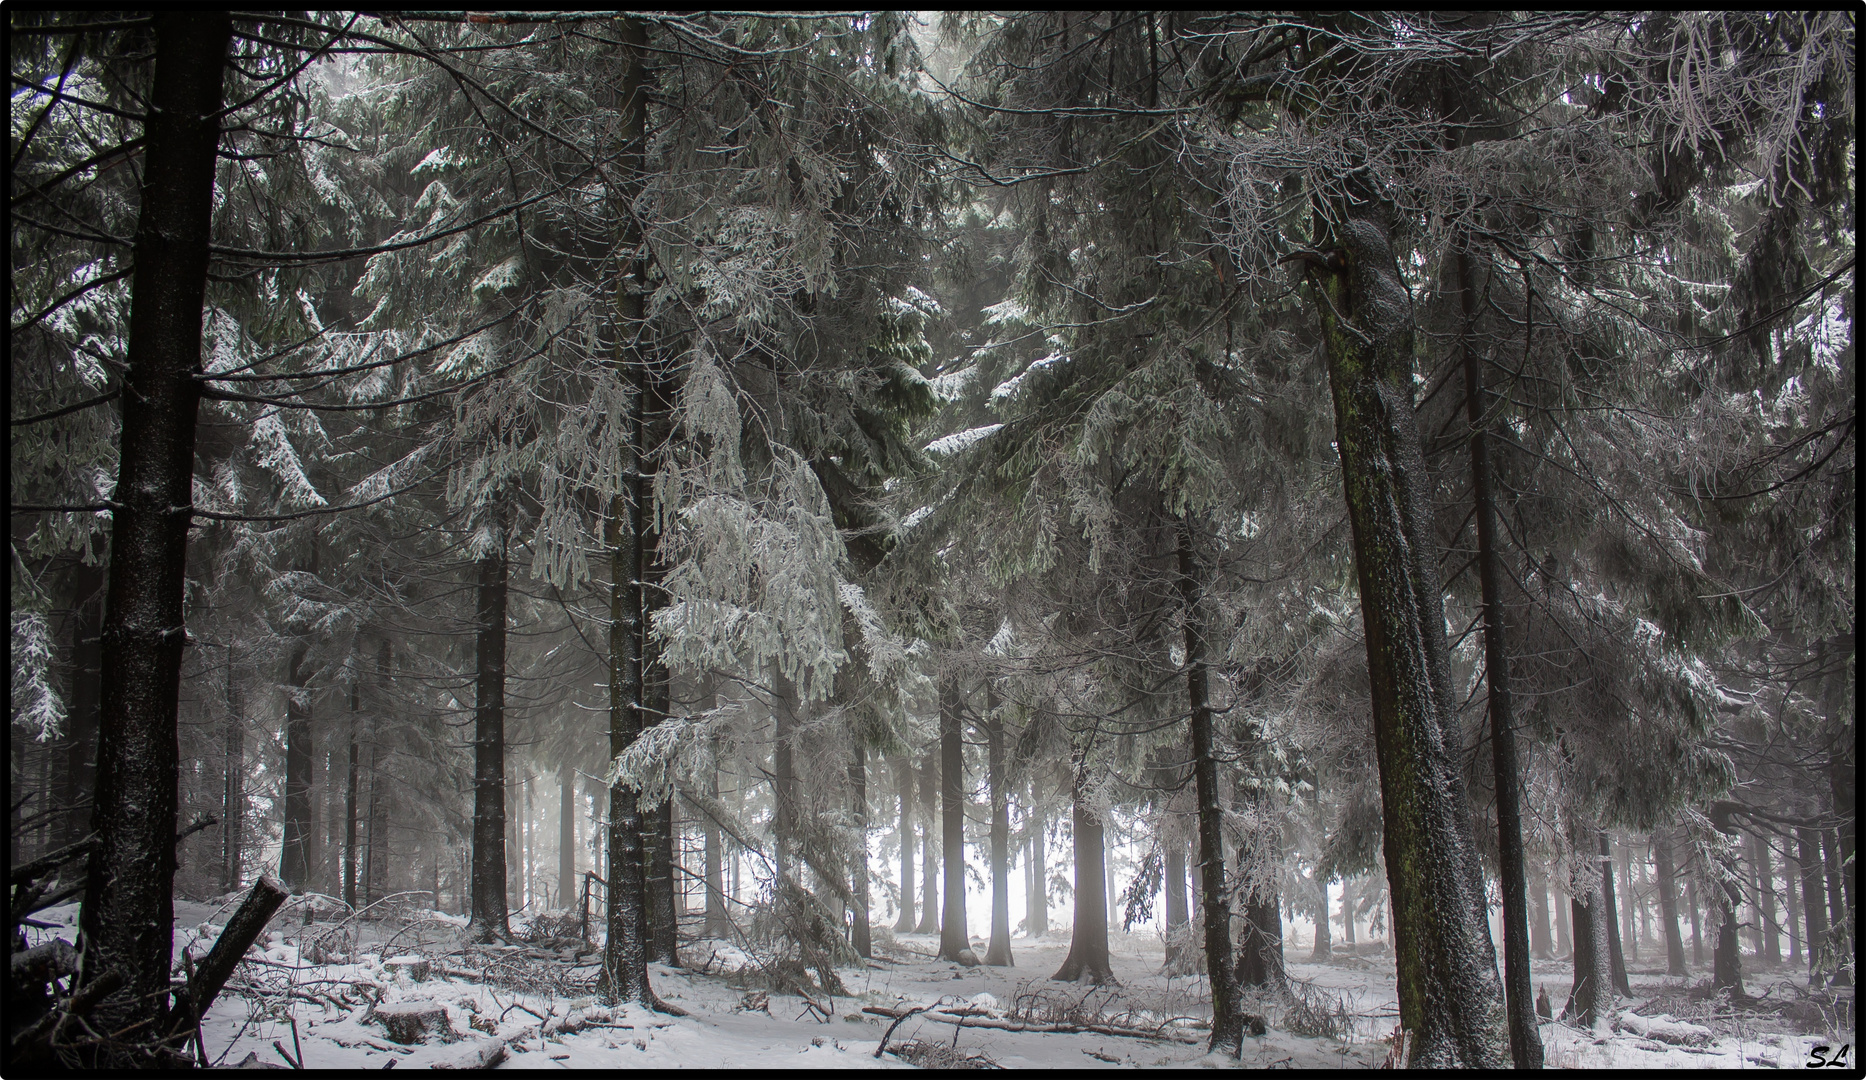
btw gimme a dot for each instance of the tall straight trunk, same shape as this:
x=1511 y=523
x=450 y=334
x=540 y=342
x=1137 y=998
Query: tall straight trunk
x=1563 y=946
x=376 y=855
x=860 y=934
x=1525 y=1043
x=658 y=821
x=1539 y=921
x=998 y=951
x=295 y=849
x=233 y=798
x=1615 y=955
x=953 y=939
x=1324 y=946
x=566 y=835
x=1449 y=995
x=128 y=914
x=1840 y=777
x=625 y=956
x=1666 y=873
x=1347 y=912
x=1260 y=943
x=1791 y=907
x=349 y=807
x=1629 y=936
x=783 y=773
x=929 y=859
x=904 y=789
x=1697 y=929
x=1591 y=998
x=1839 y=925
x=1088 y=942
x=1766 y=925
x=79 y=771
x=1037 y=903
x=1214 y=902
x=1813 y=904
x=1173 y=883
x=489 y=823
x=1727 y=960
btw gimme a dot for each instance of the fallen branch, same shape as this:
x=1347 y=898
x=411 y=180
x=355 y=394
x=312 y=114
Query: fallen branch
x=969 y=1018
x=217 y=967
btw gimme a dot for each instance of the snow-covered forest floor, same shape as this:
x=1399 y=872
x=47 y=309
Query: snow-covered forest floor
x=311 y=992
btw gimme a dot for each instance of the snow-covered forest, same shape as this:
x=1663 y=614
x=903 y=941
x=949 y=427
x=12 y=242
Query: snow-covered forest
x=1068 y=539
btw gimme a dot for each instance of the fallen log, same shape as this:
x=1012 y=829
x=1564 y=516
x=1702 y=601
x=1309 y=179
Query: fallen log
x=211 y=976
x=969 y=1018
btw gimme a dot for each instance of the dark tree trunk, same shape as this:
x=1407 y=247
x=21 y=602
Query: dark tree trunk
x=1088 y=943
x=1525 y=1043
x=1324 y=947
x=625 y=953
x=658 y=822
x=1616 y=957
x=1214 y=902
x=79 y=772
x=998 y=951
x=904 y=788
x=1791 y=905
x=1814 y=905
x=349 y=808
x=1840 y=778
x=1629 y=934
x=952 y=930
x=1539 y=924
x=1727 y=960
x=1260 y=945
x=566 y=836
x=1449 y=995
x=295 y=851
x=859 y=931
x=128 y=914
x=1668 y=904
x=1839 y=921
x=1037 y=902
x=929 y=847
x=1591 y=998
x=1766 y=925
x=233 y=798
x=489 y=854
x=1347 y=913
x=376 y=853
x=783 y=774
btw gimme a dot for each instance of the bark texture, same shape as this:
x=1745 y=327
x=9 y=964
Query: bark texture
x=998 y=950
x=489 y=819
x=1214 y=901
x=128 y=915
x=859 y=932
x=952 y=931
x=904 y=790
x=1088 y=943
x=1448 y=988
x=1668 y=903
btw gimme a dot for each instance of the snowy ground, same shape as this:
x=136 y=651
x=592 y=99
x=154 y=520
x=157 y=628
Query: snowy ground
x=309 y=992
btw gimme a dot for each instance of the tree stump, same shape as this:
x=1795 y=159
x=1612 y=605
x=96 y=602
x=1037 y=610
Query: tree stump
x=412 y=1021
x=416 y=968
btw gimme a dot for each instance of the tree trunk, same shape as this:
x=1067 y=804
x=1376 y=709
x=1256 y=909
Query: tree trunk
x=1539 y=924
x=625 y=966
x=1791 y=906
x=1766 y=925
x=80 y=745
x=1839 y=924
x=717 y=924
x=859 y=932
x=1525 y=1043
x=233 y=799
x=1347 y=913
x=1324 y=947
x=1668 y=904
x=1173 y=883
x=1813 y=905
x=489 y=855
x=1591 y=997
x=128 y=914
x=1563 y=946
x=1727 y=960
x=1088 y=942
x=1037 y=903
x=566 y=836
x=1840 y=777
x=1616 y=956
x=658 y=822
x=929 y=859
x=376 y=855
x=783 y=774
x=1697 y=930
x=952 y=930
x=904 y=788
x=998 y=951
x=295 y=849
x=349 y=808
x=1214 y=902
x=1260 y=945
x=1629 y=935
x=1449 y=995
